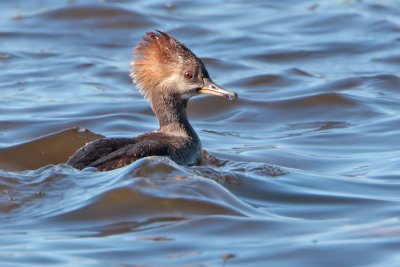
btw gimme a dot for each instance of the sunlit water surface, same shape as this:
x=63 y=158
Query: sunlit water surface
x=302 y=170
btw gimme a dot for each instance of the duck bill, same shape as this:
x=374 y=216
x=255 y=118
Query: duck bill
x=212 y=89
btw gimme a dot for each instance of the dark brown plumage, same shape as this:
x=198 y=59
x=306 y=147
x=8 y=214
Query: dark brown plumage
x=167 y=73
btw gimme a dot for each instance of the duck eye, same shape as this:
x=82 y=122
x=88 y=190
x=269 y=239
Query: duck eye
x=188 y=75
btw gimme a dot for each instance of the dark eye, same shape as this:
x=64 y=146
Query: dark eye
x=188 y=75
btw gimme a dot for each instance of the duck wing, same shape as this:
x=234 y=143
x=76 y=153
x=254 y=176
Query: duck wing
x=97 y=149
x=130 y=153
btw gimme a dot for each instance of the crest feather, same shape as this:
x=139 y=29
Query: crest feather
x=154 y=58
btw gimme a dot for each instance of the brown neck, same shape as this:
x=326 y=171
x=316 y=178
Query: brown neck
x=171 y=114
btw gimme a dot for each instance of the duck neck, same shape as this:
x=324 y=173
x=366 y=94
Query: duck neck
x=171 y=114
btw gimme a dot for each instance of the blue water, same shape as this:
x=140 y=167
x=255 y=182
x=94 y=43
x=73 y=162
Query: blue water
x=302 y=170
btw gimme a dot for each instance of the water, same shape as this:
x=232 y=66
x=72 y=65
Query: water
x=301 y=170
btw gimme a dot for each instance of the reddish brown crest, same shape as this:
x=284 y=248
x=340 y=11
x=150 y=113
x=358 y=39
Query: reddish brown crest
x=157 y=56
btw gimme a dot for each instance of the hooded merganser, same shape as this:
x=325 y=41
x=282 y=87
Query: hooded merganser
x=167 y=73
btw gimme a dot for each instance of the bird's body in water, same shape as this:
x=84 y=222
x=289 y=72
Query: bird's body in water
x=167 y=73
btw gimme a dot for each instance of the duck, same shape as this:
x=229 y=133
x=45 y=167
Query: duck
x=167 y=74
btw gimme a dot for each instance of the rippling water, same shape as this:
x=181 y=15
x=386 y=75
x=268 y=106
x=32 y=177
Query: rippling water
x=302 y=170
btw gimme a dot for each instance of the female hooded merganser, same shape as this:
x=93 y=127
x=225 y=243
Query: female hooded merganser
x=167 y=73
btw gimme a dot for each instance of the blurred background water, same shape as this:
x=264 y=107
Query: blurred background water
x=302 y=170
